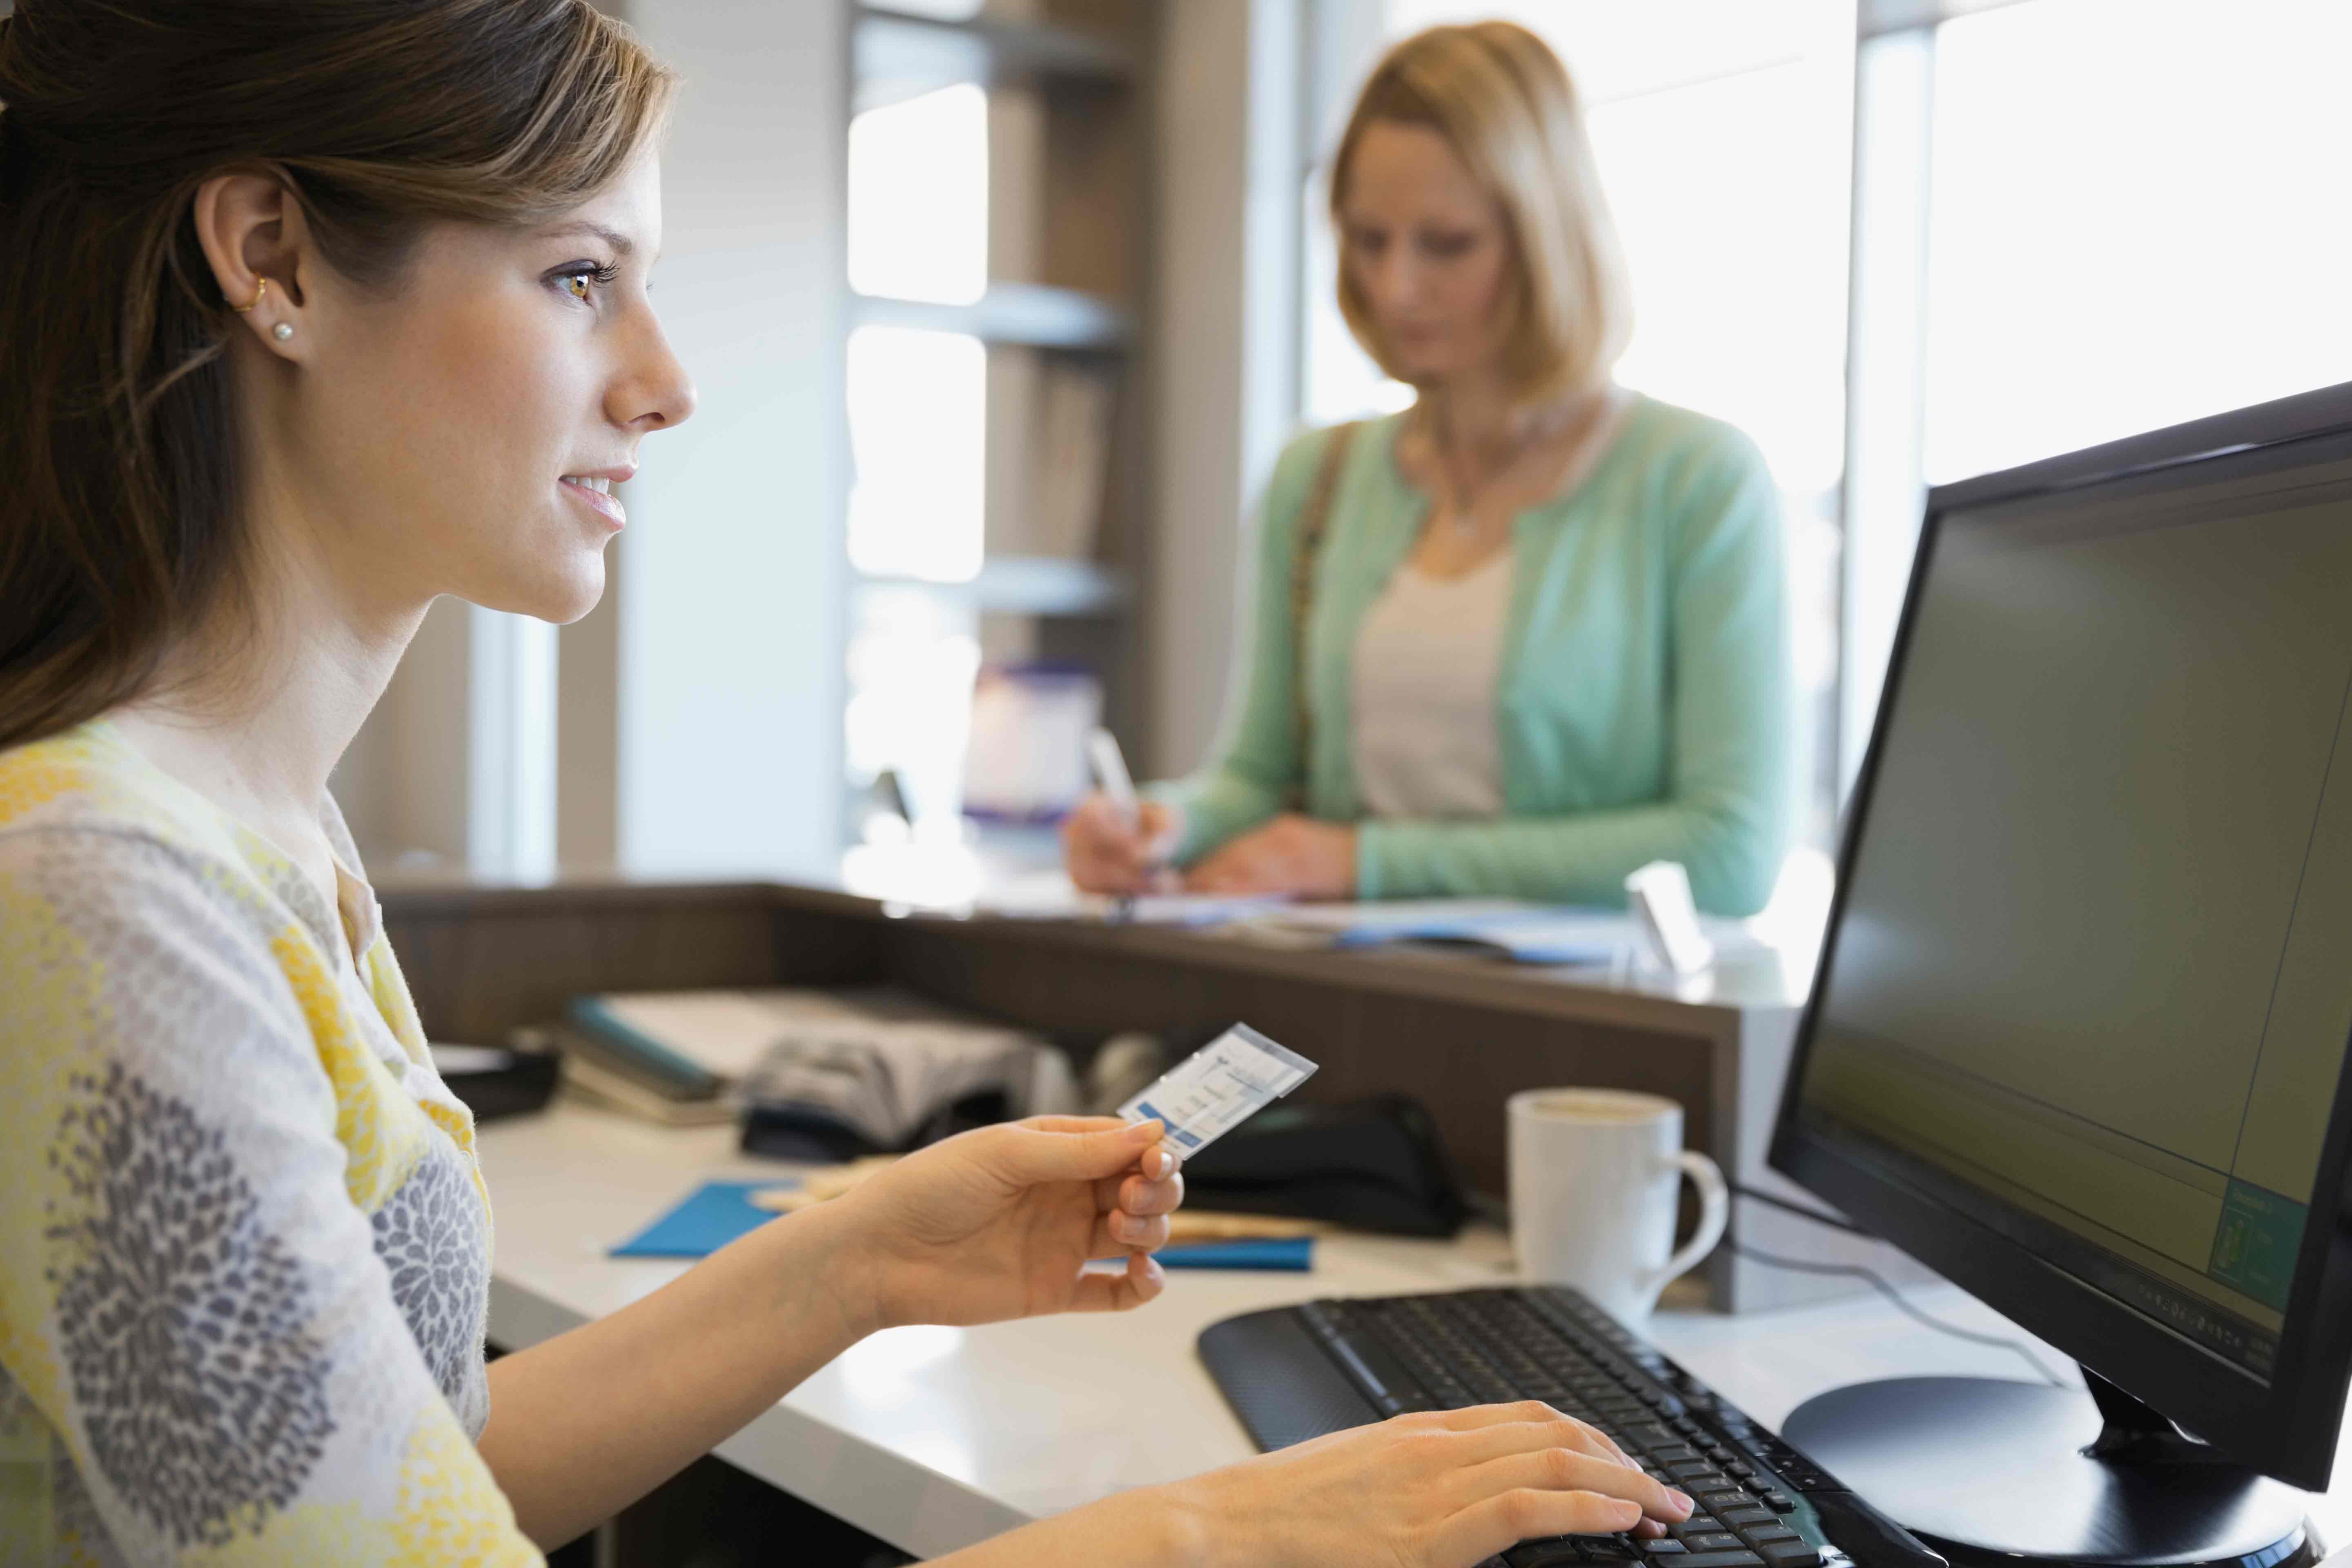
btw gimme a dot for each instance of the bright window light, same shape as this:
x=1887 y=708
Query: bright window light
x=919 y=197
x=2136 y=219
x=917 y=432
x=912 y=659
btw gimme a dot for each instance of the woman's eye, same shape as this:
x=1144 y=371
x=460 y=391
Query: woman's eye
x=1446 y=247
x=581 y=282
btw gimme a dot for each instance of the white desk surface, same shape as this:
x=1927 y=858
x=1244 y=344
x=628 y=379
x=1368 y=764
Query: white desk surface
x=933 y=1438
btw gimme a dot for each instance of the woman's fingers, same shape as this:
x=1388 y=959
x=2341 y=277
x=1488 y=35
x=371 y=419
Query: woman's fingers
x=1100 y=1292
x=1549 y=1430
x=1138 y=1197
x=1105 y=852
x=1123 y=1230
x=1499 y=1522
x=1518 y=1411
x=1563 y=1470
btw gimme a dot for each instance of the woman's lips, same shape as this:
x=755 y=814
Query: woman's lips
x=607 y=507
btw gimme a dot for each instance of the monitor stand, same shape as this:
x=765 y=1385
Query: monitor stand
x=1990 y=1472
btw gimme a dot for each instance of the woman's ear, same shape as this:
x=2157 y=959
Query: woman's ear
x=256 y=240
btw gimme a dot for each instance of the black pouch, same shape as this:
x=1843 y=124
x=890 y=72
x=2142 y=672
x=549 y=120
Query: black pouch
x=1373 y=1164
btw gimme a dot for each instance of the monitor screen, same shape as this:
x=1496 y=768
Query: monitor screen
x=2091 y=983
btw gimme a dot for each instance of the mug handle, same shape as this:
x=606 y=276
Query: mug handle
x=1714 y=1212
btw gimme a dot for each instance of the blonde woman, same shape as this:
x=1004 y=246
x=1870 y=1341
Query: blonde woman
x=310 y=312
x=1529 y=635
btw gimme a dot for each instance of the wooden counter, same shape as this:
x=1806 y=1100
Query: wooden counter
x=1461 y=1033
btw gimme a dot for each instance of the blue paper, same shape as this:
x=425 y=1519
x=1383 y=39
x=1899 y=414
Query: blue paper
x=1288 y=1254
x=715 y=1214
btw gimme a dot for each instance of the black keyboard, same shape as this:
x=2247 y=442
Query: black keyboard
x=1297 y=1373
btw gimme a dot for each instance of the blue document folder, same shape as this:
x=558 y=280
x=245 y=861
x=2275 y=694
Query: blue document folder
x=716 y=1213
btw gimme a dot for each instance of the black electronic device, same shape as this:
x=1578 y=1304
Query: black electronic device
x=1296 y=1373
x=2077 y=1037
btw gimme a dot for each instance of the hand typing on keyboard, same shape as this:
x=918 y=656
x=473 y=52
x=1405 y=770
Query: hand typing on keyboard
x=1440 y=1489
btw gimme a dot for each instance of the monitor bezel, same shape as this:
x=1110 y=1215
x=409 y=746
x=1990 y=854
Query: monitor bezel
x=2289 y=1429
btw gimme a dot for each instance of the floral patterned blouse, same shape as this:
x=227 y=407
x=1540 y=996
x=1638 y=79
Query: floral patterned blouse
x=244 y=1241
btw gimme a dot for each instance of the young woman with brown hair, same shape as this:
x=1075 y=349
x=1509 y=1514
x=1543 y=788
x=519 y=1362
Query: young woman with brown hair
x=311 y=310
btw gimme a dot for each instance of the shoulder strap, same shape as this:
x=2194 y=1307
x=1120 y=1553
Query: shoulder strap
x=1306 y=547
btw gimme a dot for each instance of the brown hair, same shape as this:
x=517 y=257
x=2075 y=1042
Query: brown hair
x=119 y=503
x=1504 y=102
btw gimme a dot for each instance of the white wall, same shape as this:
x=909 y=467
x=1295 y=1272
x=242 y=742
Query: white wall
x=1229 y=161
x=730 y=626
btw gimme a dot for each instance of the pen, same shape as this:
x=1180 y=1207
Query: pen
x=1111 y=773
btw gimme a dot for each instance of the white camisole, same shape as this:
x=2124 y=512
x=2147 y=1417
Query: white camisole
x=1427 y=658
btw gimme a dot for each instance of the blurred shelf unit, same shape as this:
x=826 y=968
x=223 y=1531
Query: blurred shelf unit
x=1044 y=534
x=901 y=55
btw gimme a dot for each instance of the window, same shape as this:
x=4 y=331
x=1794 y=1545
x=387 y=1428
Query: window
x=2135 y=219
x=917 y=402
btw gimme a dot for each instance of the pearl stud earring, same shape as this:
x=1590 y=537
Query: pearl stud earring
x=282 y=331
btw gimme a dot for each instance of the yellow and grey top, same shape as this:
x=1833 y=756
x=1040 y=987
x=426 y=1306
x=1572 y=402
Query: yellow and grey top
x=243 y=1242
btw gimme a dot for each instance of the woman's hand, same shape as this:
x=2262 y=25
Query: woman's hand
x=1440 y=1489
x=1435 y=1490
x=1105 y=853
x=1292 y=853
x=997 y=1222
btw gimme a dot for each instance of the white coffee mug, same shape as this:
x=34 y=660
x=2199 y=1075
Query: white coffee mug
x=1595 y=1173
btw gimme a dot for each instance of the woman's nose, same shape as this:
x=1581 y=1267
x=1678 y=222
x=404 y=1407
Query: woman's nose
x=656 y=392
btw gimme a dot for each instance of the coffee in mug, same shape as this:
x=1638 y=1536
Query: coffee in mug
x=1595 y=1175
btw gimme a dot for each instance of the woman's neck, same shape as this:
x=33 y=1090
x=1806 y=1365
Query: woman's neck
x=1476 y=431
x=253 y=709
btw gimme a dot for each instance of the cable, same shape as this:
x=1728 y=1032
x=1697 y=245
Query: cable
x=1802 y=1211
x=1856 y=1272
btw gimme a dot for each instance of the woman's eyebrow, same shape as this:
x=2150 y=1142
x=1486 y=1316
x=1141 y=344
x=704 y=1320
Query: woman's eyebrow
x=620 y=242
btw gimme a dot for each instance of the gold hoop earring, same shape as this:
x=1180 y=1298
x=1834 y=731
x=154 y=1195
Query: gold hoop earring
x=260 y=287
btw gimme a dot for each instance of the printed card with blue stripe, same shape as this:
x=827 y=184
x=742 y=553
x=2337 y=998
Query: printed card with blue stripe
x=1218 y=1088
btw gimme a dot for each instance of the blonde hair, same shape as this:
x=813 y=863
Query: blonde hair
x=1504 y=104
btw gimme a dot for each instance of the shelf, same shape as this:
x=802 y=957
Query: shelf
x=1028 y=314
x=898 y=56
x=1033 y=586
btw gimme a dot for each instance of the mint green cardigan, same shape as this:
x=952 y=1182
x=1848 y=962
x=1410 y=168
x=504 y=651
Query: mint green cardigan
x=1644 y=699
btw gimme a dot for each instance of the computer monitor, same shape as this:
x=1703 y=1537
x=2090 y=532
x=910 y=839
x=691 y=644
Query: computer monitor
x=2078 y=1033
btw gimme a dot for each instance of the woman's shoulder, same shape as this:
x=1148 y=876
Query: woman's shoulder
x=1682 y=443
x=86 y=821
x=89 y=779
x=1369 y=441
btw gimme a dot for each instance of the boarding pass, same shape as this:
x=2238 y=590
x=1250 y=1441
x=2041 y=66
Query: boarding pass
x=1219 y=1087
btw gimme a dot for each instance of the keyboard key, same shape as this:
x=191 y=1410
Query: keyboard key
x=1714 y=1541
x=1789 y=1555
x=1779 y=1502
x=1757 y=1534
x=1695 y=1470
x=1553 y=1551
x=1699 y=1523
x=1740 y=1516
x=1676 y=1454
x=1720 y=1560
x=1722 y=1497
x=1666 y=1547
